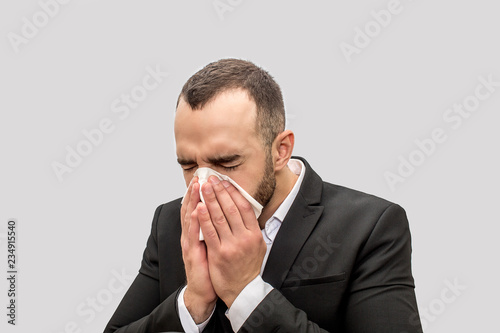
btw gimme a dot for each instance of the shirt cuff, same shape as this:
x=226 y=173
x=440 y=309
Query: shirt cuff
x=187 y=322
x=247 y=301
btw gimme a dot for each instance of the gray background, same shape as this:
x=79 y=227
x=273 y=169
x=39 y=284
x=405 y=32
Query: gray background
x=352 y=120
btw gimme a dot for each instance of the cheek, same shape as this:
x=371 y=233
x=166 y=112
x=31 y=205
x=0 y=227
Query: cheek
x=254 y=172
x=249 y=179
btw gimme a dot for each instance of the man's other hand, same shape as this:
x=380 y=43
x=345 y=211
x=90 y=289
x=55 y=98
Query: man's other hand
x=199 y=296
x=233 y=238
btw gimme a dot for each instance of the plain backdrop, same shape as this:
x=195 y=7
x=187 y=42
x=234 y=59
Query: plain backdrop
x=356 y=116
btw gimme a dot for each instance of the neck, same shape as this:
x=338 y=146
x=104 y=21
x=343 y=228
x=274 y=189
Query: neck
x=285 y=180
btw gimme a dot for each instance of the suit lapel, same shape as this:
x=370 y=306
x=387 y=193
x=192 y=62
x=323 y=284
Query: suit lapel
x=295 y=229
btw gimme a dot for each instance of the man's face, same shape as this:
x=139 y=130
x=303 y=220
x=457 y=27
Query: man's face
x=222 y=136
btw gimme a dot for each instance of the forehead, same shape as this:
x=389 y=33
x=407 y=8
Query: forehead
x=224 y=125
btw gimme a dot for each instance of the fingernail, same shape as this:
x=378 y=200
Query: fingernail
x=214 y=180
x=203 y=209
x=226 y=184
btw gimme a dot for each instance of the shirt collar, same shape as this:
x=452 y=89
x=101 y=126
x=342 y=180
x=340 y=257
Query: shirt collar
x=272 y=225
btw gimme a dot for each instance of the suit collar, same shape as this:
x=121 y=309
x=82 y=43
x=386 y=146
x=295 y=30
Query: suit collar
x=296 y=228
x=312 y=186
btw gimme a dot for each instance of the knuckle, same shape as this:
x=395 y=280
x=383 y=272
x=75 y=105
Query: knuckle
x=211 y=233
x=233 y=210
x=231 y=189
x=210 y=198
x=220 y=219
x=227 y=254
x=256 y=238
x=218 y=188
x=246 y=207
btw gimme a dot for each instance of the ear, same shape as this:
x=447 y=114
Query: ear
x=282 y=149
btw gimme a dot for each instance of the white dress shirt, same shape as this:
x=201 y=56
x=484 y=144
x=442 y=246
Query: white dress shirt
x=257 y=289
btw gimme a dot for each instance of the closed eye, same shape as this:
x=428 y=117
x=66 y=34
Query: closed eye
x=231 y=168
x=189 y=168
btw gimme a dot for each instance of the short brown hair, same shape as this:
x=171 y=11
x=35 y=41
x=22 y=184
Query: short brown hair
x=227 y=74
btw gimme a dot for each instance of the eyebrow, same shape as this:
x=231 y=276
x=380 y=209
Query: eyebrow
x=216 y=160
x=184 y=161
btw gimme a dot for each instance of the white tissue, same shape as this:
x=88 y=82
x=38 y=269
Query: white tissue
x=204 y=173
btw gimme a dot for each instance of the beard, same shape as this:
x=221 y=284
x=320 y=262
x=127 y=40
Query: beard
x=267 y=184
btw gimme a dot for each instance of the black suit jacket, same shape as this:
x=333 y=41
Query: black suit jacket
x=341 y=262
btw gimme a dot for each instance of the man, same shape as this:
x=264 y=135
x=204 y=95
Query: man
x=319 y=258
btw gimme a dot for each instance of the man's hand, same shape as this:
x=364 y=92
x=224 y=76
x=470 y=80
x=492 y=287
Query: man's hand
x=233 y=238
x=199 y=296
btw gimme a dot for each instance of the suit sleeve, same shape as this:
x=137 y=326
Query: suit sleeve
x=380 y=298
x=141 y=310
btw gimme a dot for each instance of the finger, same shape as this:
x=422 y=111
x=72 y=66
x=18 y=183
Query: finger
x=194 y=198
x=185 y=200
x=216 y=213
x=205 y=222
x=244 y=207
x=228 y=206
x=187 y=197
x=194 y=227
